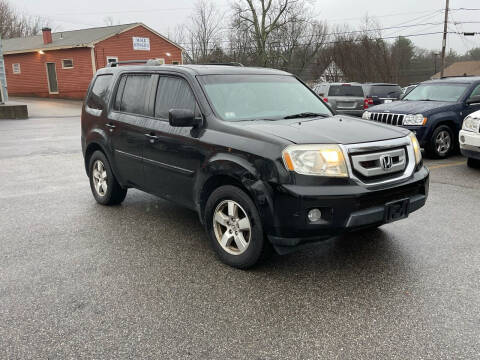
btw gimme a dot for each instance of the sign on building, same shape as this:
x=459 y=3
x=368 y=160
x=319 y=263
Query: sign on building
x=3 y=78
x=141 y=43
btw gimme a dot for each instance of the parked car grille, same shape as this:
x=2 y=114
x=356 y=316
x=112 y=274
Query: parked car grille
x=388 y=118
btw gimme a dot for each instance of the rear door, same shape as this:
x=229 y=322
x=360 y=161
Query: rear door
x=172 y=155
x=126 y=124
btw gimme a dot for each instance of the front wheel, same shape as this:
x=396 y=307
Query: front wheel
x=105 y=188
x=234 y=227
x=441 y=143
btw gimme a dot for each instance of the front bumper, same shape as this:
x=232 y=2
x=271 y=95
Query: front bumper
x=470 y=144
x=344 y=208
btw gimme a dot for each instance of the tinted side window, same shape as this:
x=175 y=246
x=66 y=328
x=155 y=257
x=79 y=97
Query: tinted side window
x=476 y=91
x=133 y=95
x=99 y=94
x=173 y=93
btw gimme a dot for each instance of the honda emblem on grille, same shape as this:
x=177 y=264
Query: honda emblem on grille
x=386 y=161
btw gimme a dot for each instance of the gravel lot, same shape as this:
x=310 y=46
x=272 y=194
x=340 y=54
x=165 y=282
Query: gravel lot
x=79 y=280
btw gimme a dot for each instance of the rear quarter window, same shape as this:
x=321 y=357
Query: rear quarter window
x=98 y=96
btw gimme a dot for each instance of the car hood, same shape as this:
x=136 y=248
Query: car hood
x=412 y=107
x=337 y=129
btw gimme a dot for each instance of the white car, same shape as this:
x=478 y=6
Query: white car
x=470 y=139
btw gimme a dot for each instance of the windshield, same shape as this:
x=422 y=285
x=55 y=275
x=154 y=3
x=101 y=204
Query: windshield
x=260 y=97
x=345 y=90
x=437 y=92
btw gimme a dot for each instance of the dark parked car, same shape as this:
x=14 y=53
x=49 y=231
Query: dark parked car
x=254 y=151
x=434 y=110
x=379 y=93
x=344 y=98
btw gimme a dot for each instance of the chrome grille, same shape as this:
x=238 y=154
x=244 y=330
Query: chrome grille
x=364 y=161
x=387 y=118
x=372 y=164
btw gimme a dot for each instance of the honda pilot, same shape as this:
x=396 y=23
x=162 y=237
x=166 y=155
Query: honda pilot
x=254 y=152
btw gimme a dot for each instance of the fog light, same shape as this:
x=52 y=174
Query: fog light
x=314 y=215
x=462 y=139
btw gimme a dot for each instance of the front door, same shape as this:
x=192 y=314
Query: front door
x=52 y=78
x=172 y=155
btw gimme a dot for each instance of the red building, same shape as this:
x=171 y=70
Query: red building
x=62 y=64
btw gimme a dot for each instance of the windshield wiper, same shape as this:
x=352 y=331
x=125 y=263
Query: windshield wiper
x=305 y=115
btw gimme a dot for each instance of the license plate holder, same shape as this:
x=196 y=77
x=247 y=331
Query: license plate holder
x=396 y=210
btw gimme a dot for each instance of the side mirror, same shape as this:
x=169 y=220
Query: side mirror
x=183 y=118
x=473 y=100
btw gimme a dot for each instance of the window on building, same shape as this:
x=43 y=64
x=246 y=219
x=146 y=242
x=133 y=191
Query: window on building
x=67 y=63
x=175 y=62
x=16 y=68
x=112 y=59
x=99 y=94
x=173 y=93
x=131 y=94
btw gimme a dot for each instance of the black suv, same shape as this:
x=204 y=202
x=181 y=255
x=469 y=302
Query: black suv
x=256 y=153
x=434 y=110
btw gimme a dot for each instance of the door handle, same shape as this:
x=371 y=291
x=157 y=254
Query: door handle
x=152 y=137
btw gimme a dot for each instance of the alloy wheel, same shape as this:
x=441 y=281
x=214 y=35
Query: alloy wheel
x=99 y=174
x=443 y=142
x=232 y=227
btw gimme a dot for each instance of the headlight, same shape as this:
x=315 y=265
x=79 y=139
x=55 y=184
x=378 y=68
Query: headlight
x=319 y=160
x=416 y=148
x=418 y=119
x=471 y=124
x=366 y=115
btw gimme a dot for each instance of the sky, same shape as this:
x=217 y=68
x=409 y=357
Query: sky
x=165 y=15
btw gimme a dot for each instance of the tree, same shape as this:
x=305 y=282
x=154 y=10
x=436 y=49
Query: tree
x=402 y=53
x=261 y=18
x=13 y=24
x=203 y=34
x=474 y=54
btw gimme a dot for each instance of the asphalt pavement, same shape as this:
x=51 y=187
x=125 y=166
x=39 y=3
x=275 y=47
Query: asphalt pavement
x=80 y=280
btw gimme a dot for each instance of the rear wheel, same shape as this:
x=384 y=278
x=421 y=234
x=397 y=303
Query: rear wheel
x=105 y=188
x=234 y=227
x=473 y=163
x=441 y=143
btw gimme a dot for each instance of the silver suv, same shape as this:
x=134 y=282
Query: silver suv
x=344 y=98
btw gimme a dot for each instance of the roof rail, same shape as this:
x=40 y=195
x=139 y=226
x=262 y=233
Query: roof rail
x=225 y=64
x=149 y=62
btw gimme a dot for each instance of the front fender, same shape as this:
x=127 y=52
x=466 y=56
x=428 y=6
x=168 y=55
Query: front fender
x=451 y=116
x=251 y=174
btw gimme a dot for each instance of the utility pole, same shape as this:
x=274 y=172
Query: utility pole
x=444 y=43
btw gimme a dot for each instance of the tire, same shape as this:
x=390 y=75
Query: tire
x=225 y=211
x=442 y=143
x=105 y=188
x=473 y=163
